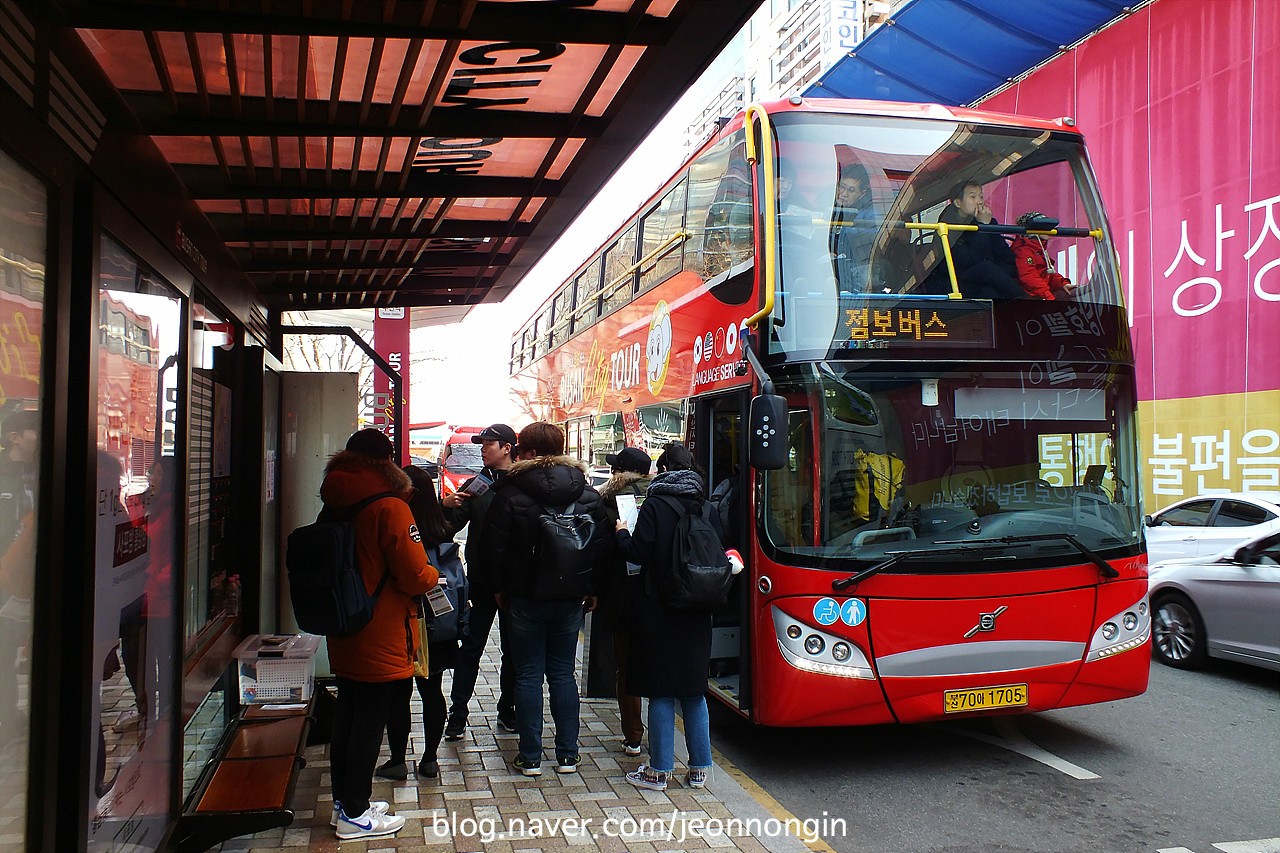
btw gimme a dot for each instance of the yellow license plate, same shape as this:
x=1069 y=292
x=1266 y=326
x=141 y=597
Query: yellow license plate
x=983 y=698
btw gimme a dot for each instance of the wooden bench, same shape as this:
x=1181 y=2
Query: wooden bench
x=246 y=786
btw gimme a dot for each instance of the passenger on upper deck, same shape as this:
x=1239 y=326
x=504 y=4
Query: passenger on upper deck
x=1035 y=270
x=852 y=231
x=985 y=266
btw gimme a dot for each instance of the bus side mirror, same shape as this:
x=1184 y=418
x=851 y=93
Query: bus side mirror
x=768 y=424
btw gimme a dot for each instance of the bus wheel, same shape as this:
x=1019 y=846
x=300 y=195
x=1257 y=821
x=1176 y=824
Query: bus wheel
x=1179 y=639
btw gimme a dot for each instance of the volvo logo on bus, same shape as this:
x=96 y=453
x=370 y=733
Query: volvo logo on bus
x=986 y=622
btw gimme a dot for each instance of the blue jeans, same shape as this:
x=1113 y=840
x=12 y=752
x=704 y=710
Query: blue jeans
x=544 y=642
x=662 y=732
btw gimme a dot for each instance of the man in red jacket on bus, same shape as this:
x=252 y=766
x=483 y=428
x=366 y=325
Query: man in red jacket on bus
x=373 y=667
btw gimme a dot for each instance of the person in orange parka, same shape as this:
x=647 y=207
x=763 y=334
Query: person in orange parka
x=373 y=667
x=1035 y=271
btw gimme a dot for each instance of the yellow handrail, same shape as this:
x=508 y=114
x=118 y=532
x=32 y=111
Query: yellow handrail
x=677 y=237
x=770 y=202
x=608 y=289
x=945 y=228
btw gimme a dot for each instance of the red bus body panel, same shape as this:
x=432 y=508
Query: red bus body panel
x=914 y=636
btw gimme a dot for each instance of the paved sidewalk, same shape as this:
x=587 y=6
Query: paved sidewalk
x=479 y=802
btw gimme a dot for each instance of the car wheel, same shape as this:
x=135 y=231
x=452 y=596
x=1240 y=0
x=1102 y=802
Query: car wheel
x=1179 y=639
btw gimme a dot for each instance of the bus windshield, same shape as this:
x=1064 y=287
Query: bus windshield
x=883 y=462
x=462 y=458
x=860 y=199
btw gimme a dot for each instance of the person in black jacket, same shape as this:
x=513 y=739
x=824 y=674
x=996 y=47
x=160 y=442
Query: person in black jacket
x=985 y=265
x=497 y=452
x=630 y=477
x=670 y=650
x=542 y=626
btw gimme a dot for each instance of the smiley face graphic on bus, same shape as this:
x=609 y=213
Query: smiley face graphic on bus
x=658 y=349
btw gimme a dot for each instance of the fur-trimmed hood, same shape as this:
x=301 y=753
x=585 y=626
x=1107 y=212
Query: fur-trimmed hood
x=624 y=482
x=549 y=480
x=350 y=477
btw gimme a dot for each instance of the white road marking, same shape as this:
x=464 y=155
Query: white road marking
x=1262 y=845
x=1014 y=741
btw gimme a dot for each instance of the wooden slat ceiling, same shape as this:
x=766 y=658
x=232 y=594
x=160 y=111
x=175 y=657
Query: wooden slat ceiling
x=355 y=154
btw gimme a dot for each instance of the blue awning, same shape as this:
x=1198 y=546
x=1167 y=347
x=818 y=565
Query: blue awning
x=956 y=51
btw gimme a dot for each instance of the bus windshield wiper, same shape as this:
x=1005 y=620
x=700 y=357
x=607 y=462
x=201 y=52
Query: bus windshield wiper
x=1103 y=566
x=894 y=559
x=853 y=580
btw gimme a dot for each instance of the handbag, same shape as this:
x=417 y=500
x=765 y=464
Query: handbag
x=421 y=663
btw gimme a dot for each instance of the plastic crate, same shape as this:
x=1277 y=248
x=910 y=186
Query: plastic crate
x=275 y=668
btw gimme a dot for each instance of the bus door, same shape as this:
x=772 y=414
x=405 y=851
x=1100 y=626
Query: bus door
x=720 y=446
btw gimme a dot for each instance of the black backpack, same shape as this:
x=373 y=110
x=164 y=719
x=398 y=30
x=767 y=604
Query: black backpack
x=325 y=583
x=699 y=576
x=563 y=553
x=451 y=625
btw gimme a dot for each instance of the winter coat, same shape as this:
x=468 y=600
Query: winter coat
x=985 y=267
x=510 y=527
x=972 y=250
x=1035 y=271
x=851 y=242
x=669 y=650
x=387 y=540
x=473 y=511
x=441 y=654
x=612 y=591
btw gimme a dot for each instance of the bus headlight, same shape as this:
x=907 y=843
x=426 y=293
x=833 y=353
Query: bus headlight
x=1126 y=630
x=818 y=651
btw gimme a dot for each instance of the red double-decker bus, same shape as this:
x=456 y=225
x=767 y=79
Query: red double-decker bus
x=933 y=479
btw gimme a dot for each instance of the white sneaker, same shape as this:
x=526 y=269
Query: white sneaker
x=379 y=806
x=371 y=824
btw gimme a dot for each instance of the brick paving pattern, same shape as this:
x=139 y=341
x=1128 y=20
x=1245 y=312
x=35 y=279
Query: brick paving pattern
x=480 y=802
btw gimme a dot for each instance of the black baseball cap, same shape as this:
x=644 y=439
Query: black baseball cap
x=500 y=433
x=371 y=442
x=630 y=459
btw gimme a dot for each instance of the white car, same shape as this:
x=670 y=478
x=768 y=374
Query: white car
x=1223 y=606
x=1205 y=525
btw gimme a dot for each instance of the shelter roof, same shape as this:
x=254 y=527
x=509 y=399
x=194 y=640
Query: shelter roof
x=358 y=154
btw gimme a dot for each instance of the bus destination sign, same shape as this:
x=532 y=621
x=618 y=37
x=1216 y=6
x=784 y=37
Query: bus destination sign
x=871 y=322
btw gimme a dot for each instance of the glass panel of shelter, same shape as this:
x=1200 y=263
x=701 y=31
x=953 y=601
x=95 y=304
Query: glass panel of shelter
x=24 y=208
x=139 y=388
x=212 y=579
